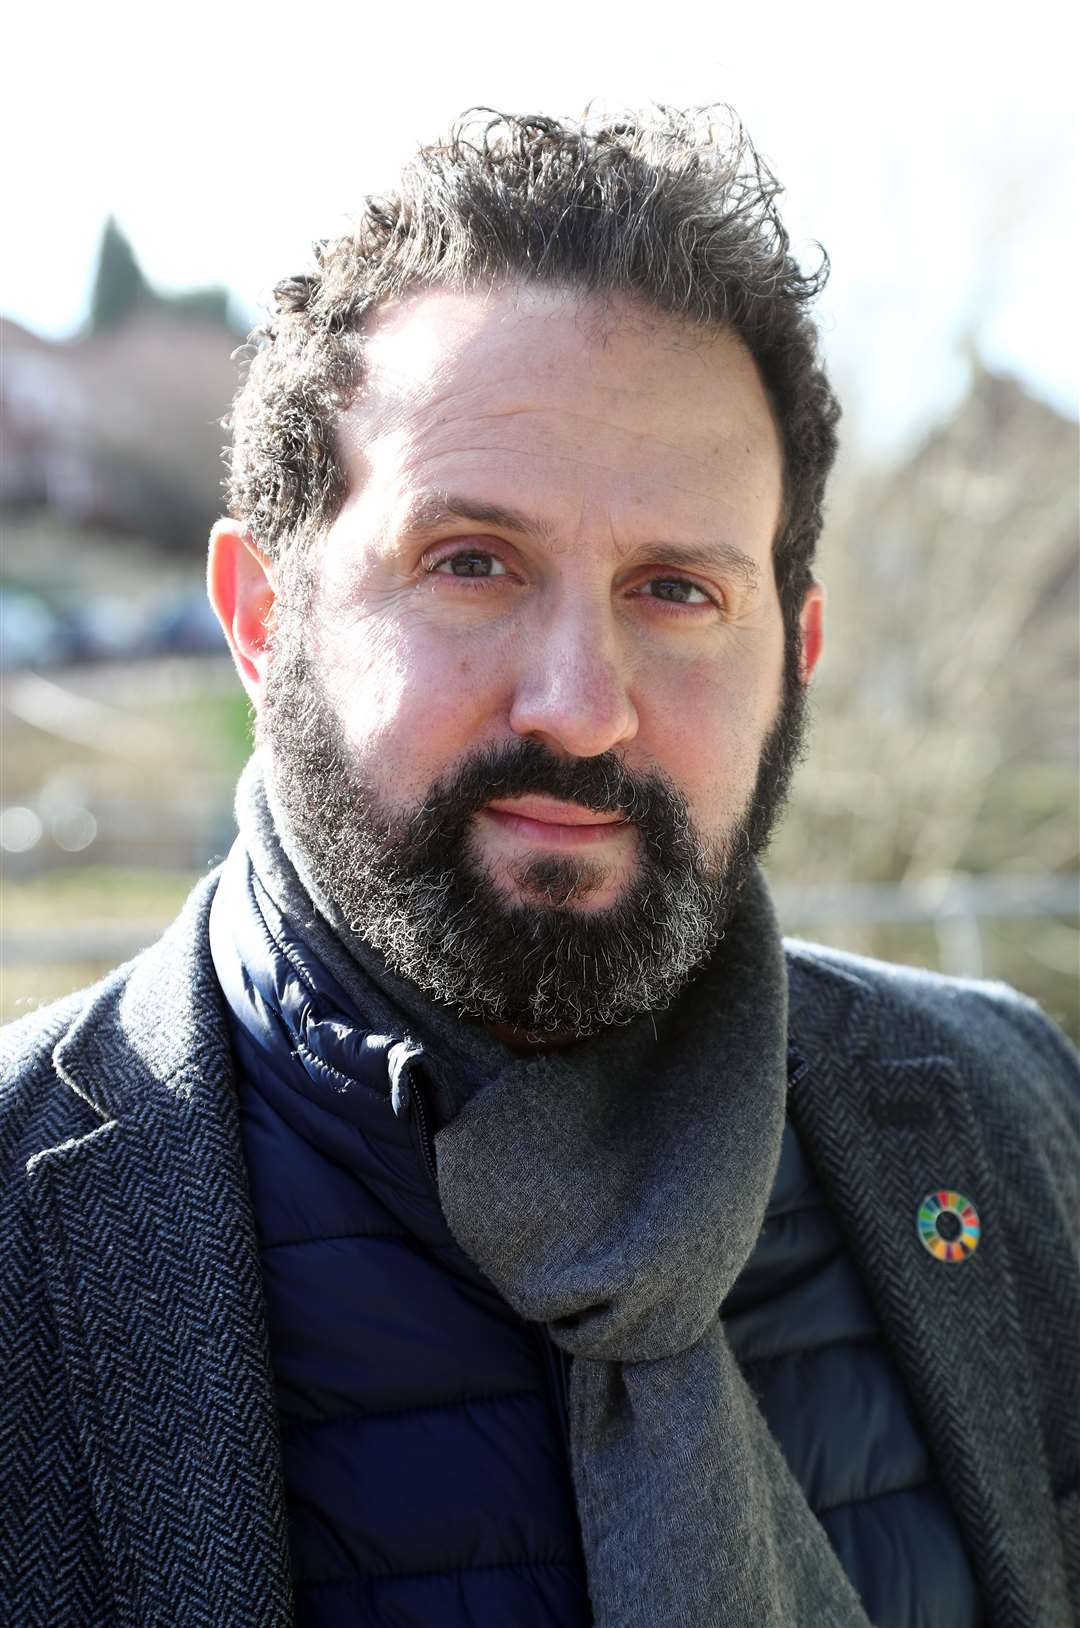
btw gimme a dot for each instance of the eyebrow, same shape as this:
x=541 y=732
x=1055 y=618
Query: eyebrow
x=430 y=510
x=707 y=556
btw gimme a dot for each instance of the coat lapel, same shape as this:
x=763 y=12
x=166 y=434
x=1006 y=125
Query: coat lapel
x=147 y=1236
x=883 y=1130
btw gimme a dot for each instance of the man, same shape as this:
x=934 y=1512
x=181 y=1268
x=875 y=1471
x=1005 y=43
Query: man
x=469 y=1213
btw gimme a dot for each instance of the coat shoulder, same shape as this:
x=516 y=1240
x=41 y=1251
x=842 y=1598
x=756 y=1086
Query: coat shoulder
x=37 y=1108
x=40 y=1105
x=1000 y=1040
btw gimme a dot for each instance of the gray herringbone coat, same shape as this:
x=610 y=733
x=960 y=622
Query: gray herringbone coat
x=140 y=1481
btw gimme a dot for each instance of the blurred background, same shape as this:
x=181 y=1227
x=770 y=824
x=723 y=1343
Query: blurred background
x=162 y=174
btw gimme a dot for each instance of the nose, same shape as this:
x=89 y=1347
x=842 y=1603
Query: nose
x=572 y=692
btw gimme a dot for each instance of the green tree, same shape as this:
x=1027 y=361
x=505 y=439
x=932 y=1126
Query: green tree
x=119 y=285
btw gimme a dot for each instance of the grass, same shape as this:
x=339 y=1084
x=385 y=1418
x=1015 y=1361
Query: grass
x=96 y=896
x=94 y=893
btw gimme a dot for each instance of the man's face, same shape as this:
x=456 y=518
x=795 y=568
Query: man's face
x=517 y=715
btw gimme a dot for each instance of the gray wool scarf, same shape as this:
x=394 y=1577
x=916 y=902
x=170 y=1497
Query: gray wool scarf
x=613 y=1191
x=617 y=1202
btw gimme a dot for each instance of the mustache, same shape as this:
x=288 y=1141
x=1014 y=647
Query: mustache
x=602 y=784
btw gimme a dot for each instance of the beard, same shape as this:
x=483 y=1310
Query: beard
x=413 y=884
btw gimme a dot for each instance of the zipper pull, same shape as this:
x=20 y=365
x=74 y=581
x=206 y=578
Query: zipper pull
x=407 y=1100
x=398 y=1058
x=401 y=1095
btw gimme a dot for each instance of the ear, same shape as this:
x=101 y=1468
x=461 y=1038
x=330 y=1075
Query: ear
x=812 y=622
x=240 y=583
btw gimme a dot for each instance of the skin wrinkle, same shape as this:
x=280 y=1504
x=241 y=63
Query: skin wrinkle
x=572 y=458
x=429 y=513
x=349 y=440
x=592 y=421
x=543 y=528
x=603 y=421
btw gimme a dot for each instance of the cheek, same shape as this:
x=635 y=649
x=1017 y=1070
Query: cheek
x=408 y=704
x=707 y=745
x=365 y=677
x=706 y=729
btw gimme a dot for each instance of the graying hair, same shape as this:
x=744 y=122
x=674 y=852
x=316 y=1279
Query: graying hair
x=673 y=208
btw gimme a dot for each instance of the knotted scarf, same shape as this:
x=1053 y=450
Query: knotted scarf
x=614 y=1191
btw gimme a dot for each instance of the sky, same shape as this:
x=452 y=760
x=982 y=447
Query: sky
x=931 y=147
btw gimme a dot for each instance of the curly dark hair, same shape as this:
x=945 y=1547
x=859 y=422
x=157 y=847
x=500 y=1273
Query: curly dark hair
x=674 y=208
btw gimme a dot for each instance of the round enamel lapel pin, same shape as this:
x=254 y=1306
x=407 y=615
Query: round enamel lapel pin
x=948 y=1225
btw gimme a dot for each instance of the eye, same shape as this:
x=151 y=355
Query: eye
x=676 y=591
x=472 y=562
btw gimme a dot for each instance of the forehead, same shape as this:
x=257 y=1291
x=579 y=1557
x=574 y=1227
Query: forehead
x=565 y=402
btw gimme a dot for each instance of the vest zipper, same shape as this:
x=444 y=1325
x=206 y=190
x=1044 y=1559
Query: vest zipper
x=407 y=1101
x=423 y=1130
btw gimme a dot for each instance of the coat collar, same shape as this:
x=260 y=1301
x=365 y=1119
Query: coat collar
x=886 y=1122
x=151 y=1258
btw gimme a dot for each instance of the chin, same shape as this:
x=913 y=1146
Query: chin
x=554 y=882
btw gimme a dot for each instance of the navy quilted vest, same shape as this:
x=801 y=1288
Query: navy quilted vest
x=423 y=1422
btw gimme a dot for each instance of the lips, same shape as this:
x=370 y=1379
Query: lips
x=547 y=822
x=552 y=811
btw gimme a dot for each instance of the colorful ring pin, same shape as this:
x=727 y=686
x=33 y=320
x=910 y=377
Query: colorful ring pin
x=948 y=1225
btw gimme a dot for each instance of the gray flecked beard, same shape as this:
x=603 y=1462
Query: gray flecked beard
x=412 y=884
